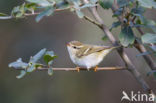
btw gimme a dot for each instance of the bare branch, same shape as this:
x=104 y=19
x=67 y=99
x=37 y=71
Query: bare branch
x=84 y=69
x=92 y=21
x=33 y=14
x=140 y=31
x=133 y=19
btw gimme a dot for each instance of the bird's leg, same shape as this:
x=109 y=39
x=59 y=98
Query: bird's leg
x=78 y=69
x=95 y=69
x=88 y=69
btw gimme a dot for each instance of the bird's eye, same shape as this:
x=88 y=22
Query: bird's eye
x=74 y=47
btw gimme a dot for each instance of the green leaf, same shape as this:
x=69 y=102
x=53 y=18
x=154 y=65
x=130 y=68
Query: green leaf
x=93 y=1
x=31 y=68
x=141 y=18
x=146 y=23
x=47 y=12
x=22 y=9
x=147 y=3
x=22 y=74
x=79 y=13
x=106 y=4
x=57 y=1
x=75 y=2
x=118 y=12
x=18 y=64
x=49 y=57
x=30 y=6
x=153 y=47
x=104 y=38
x=151 y=24
x=2 y=14
x=50 y=71
x=36 y=57
x=115 y=24
x=18 y=11
x=43 y=3
x=139 y=13
x=77 y=8
x=62 y=5
x=152 y=72
x=148 y=38
x=38 y=65
x=123 y=3
x=138 y=10
x=144 y=53
x=87 y=5
x=126 y=36
x=19 y=15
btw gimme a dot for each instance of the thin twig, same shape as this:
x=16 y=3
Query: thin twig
x=84 y=69
x=140 y=31
x=32 y=14
x=92 y=21
x=122 y=53
x=133 y=19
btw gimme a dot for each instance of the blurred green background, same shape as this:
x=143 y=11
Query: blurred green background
x=24 y=37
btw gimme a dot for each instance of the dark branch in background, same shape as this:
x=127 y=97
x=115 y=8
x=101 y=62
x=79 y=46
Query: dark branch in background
x=84 y=69
x=121 y=52
x=137 y=45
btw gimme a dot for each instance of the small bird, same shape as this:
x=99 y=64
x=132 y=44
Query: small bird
x=87 y=56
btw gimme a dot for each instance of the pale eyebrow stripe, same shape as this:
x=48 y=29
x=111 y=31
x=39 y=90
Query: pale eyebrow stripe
x=80 y=46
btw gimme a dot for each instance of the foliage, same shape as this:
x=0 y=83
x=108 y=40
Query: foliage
x=148 y=38
x=126 y=36
x=33 y=64
x=128 y=9
x=131 y=13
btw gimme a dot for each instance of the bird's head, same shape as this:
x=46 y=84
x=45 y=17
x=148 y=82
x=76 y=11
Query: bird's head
x=74 y=46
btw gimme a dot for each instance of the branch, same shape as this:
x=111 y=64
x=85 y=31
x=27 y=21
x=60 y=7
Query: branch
x=32 y=14
x=84 y=69
x=92 y=21
x=147 y=58
x=138 y=46
x=122 y=53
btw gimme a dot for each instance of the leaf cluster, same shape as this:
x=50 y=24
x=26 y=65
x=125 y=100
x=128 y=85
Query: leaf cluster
x=132 y=16
x=33 y=64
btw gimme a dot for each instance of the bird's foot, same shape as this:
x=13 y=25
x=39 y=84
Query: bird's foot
x=78 y=69
x=95 y=69
x=88 y=69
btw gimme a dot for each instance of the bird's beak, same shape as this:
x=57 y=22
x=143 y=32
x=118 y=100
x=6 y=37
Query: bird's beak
x=68 y=44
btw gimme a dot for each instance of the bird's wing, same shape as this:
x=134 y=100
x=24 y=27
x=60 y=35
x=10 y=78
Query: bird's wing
x=91 y=49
